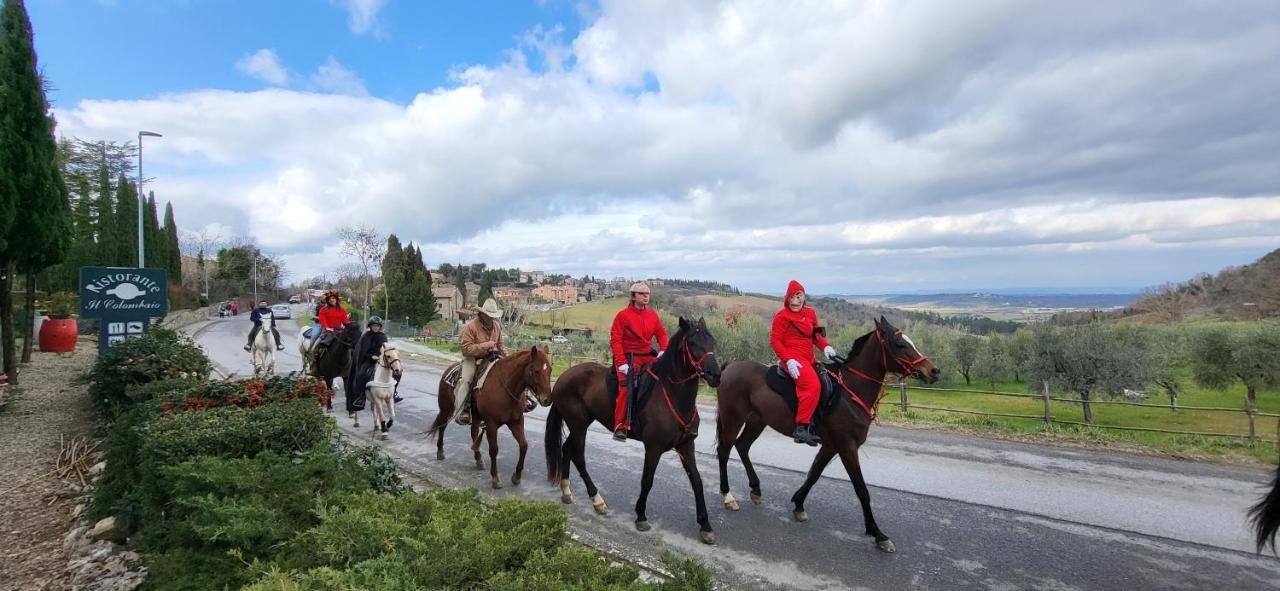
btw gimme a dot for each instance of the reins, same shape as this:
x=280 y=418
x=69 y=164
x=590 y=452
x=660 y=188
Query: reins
x=697 y=373
x=905 y=368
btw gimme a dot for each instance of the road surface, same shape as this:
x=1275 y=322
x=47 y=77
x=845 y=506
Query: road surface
x=965 y=513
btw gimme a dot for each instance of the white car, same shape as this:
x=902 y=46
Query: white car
x=281 y=311
x=559 y=339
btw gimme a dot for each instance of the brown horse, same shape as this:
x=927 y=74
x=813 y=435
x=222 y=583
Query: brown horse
x=499 y=403
x=745 y=399
x=668 y=418
x=335 y=361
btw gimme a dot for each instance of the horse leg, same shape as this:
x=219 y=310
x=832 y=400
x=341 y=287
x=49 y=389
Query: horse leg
x=651 y=456
x=727 y=427
x=825 y=453
x=849 y=456
x=578 y=438
x=491 y=433
x=685 y=451
x=438 y=426
x=745 y=440
x=517 y=431
x=475 y=443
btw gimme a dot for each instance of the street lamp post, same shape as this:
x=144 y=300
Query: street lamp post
x=142 y=261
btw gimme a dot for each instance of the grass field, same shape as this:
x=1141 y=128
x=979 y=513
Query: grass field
x=597 y=315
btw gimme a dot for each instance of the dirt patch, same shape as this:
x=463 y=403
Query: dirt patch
x=35 y=504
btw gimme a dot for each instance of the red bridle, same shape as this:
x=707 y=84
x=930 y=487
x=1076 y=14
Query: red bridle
x=906 y=367
x=696 y=364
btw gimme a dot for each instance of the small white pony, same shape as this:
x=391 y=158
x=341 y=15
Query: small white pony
x=264 y=348
x=382 y=388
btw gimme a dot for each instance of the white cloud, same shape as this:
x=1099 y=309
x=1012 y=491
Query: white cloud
x=332 y=76
x=362 y=15
x=738 y=140
x=264 y=65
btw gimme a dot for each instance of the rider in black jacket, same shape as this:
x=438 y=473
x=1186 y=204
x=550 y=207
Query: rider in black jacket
x=363 y=363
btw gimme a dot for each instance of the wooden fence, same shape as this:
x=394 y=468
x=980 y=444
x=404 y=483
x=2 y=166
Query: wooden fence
x=1047 y=415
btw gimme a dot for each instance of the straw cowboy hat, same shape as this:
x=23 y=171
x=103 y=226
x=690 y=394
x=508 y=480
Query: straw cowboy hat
x=491 y=309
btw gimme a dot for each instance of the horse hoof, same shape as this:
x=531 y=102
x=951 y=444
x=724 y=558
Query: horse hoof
x=642 y=526
x=566 y=499
x=801 y=516
x=756 y=499
x=497 y=485
x=601 y=509
x=709 y=538
x=479 y=465
x=515 y=481
x=439 y=455
x=886 y=546
x=731 y=505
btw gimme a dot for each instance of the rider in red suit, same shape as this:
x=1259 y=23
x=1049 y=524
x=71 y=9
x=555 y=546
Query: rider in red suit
x=332 y=315
x=793 y=336
x=633 y=329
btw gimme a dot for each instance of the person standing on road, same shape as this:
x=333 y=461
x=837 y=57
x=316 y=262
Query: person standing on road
x=481 y=339
x=256 y=316
x=793 y=335
x=634 y=329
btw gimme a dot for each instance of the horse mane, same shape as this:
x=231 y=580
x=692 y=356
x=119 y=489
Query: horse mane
x=665 y=363
x=858 y=345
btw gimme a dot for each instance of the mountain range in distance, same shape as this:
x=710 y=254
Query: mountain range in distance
x=1009 y=305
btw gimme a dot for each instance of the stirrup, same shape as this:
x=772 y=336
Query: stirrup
x=620 y=434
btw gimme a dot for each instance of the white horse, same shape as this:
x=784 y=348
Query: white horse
x=382 y=388
x=304 y=347
x=264 y=348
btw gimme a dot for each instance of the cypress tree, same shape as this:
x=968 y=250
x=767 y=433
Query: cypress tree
x=126 y=224
x=34 y=212
x=172 y=246
x=104 y=225
x=486 y=287
x=156 y=251
x=460 y=282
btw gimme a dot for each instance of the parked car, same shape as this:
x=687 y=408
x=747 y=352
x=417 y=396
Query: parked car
x=281 y=311
x=295 y=299
x=559 y=339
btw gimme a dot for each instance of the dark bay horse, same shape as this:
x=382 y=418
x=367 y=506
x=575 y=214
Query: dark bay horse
x=668 y=418
x=1266 y=516
x=335 y=361
x=746 y=400
x=499 y=403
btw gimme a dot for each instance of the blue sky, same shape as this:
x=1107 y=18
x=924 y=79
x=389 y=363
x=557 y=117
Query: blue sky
x=860 y=147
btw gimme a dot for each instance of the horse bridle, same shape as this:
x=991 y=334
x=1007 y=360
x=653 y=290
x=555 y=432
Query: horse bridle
x=906 y=367
x=696 y=364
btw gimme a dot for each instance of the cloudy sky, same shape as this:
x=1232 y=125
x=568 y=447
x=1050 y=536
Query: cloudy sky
x=861 y=147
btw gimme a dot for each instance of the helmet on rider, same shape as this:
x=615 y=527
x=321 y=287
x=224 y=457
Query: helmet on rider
x=372 y=321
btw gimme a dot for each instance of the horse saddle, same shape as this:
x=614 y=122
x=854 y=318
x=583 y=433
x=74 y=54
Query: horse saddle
x=644 y=387
x=781 y=382
x=453 y=375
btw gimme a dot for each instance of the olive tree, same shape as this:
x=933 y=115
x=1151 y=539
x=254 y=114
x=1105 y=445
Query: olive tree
x=1092 y=358
x=966 y=351
x=1222 y=356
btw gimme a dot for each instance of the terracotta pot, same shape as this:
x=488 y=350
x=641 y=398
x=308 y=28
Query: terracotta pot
x=58 y=335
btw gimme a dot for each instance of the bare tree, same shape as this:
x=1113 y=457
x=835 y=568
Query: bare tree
x=366 y=246
x=201 y=245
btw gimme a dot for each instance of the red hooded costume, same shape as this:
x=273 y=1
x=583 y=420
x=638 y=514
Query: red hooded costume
x=631 y=333
x=793 y=336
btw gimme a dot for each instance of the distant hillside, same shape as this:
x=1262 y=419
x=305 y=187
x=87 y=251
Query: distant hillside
x=1249 y=292
x=1235 y=293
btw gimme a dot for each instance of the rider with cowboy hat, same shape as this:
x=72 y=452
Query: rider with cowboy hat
x=331 y=317
x=481 y=339
x=794 y=333
x=263 y=309
x=633 y=329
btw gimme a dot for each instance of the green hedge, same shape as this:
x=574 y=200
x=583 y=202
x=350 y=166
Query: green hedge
x=158 y=355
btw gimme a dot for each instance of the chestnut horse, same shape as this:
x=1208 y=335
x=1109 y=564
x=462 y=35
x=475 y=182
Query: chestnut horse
x=667 y=419
x=500 y=402
x=745 y=399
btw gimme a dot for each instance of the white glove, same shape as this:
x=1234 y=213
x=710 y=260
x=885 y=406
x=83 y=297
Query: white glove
x=623 y=368
x=793 y=368
x=830 y=352
x=660 y=354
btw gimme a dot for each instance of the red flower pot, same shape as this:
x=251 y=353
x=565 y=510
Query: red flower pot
x=58 y=335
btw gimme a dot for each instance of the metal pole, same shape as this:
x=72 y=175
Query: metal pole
x=253 y=251
x=141 y=257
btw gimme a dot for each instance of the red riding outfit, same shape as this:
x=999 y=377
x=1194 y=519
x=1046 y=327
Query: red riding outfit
x=793 y=336
x=632 y=332
x=333 y=318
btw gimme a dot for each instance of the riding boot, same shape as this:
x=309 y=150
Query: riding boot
x=804 y=434
x=464 y=417
x=248 y=346
x=620 y=434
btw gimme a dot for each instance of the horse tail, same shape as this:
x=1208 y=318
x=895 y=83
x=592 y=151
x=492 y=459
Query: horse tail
x=1265 y=516
x=553 y=443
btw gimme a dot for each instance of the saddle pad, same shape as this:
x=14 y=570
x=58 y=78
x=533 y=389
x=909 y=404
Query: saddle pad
x=483 y=371
x=453 y=375
x=786 y=388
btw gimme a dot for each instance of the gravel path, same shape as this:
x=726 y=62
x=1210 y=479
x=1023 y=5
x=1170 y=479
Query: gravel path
x=35 y=512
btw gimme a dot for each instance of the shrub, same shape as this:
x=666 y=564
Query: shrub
x=158 y=355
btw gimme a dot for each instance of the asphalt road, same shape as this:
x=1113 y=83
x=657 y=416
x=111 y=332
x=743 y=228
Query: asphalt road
x=965 y=513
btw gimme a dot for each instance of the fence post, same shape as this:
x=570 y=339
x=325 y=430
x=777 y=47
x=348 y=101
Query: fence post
x=902 y=395
x=1248 y=411
x=1048 y=419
